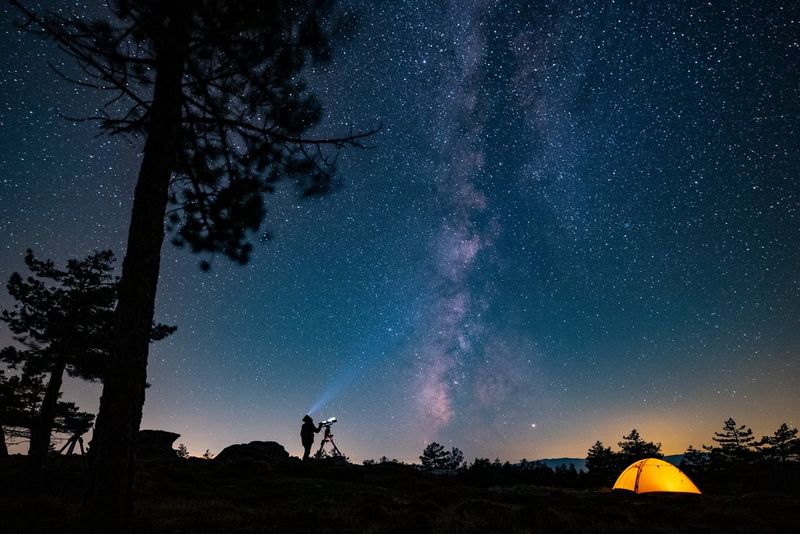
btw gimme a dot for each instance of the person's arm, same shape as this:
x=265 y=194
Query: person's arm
x=319 y=427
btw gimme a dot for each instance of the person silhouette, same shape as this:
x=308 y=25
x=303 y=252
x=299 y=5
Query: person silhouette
x=307 y=432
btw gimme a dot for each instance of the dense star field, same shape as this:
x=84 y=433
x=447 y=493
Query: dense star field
x=578 y=218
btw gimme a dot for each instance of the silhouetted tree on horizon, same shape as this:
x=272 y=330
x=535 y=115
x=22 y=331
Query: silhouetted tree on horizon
x=456 y=459
x=382 y=461
x=695 y=461
x=633 y=448
x=782 y=445
x=435 y=457
x=17 y=393
x=182 y=451
x=62 y=318
x=736 y=445
x=602 y=464
x=3 y=445
x=214 y=89
x=485 y=473
x=21 y=397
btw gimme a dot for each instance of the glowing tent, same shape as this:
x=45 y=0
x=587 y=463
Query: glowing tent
x=653 y=475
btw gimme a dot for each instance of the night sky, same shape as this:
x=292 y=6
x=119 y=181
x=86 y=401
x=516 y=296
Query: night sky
x=579 y=218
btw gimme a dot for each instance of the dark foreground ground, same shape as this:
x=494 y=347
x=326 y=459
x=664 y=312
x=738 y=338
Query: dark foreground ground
x=198 y=496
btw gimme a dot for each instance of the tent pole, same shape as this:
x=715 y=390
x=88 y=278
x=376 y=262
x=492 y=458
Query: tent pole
x=638 y=474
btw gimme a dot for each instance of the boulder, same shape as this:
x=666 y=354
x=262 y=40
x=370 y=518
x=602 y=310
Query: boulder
x=263 y=451
x=156 y=445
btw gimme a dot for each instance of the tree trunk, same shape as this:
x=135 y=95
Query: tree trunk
x=43 y=423
x=3 y=447
x=108 y=505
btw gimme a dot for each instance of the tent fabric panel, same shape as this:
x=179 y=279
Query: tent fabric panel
x=627 y=479
x=660 y=477
x=656 y=478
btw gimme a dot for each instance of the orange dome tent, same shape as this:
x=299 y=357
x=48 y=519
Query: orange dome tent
x=653 y=475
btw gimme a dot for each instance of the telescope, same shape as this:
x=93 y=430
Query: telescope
x=328 y=438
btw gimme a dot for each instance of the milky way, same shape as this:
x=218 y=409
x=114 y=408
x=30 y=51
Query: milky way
x=459 y=241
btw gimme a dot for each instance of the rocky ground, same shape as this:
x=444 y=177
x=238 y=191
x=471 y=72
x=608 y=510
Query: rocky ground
x=245 y=495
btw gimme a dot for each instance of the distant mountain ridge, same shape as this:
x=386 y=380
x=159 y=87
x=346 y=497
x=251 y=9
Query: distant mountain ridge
x=580 y=463
x=552 y=463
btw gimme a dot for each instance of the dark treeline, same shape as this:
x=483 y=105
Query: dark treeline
x=736 y=461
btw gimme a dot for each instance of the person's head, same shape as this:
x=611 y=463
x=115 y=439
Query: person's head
x=307 y=419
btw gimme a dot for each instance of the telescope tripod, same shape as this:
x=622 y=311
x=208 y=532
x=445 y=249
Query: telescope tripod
x=76 y=439
x=328 y=438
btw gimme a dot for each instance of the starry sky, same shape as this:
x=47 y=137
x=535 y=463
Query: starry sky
x=578 y=218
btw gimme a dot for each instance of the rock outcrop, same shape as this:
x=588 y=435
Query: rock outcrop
x=263 y=451
x=156 y=445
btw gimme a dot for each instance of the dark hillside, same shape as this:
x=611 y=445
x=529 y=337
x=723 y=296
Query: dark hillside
x=200 y=496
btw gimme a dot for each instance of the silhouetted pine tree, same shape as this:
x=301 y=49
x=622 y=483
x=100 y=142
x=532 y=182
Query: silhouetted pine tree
x=782 y=445
x=480 y=464
x=63 y=318
x=15 y=420
x=214 y=88
x=456 y=460
x=70 y=420
x=602 y=465
x=3 y=394
x=633 y=447
x=695 y=461
x=183 y=451
x=736 y=445
x=435 y=457
x=21 y=397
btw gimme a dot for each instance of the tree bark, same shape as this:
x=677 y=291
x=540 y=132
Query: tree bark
x=43 y=423
x=108 y=505
x=3 y=447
